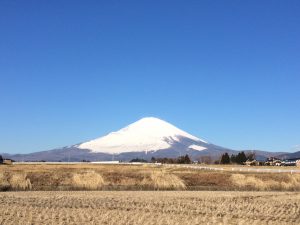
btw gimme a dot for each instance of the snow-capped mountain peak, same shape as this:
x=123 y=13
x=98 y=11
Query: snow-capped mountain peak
x=147 y=134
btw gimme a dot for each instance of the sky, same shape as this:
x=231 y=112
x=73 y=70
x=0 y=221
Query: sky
x=225 y=71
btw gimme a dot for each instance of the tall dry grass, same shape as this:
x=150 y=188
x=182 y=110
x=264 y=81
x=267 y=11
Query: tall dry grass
x=19 y=181
x=88 y=180
x=161 y=180
x=139 y=177
x=293 y=183
x=254 y=183
x=4 y=184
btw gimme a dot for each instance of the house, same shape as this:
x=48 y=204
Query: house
x=7 y=161
x=272 y=161
x=291 y=162
x=251 y=163
x=288 y=162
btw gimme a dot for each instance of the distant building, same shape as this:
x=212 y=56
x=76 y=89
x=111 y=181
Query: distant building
x=291 y=162
x=288 y=162
x=105 y=162
x=252 y=163
x=7 y=161
x=272 y=161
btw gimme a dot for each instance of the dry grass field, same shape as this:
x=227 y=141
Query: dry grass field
x=149 y=207
x=138 y=177
x=53 y=194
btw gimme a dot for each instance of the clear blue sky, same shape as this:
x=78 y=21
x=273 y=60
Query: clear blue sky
x=225 y=71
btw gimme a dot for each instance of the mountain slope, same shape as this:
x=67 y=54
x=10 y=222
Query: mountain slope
x=146 y=138
x=294 y=155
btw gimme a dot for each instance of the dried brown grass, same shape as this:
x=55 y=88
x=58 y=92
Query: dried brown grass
x=161 y=180
x=19 y=181
x=4 y=184
x=88 y=180
x=253 y=183
x=142 y=177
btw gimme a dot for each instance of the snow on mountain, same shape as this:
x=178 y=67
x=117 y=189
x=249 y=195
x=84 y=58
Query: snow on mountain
x=147 y=134
x=197 y=147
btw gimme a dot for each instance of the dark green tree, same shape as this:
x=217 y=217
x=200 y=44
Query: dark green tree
x=187 y=159
x=233 y=158
x=184 y=159
x=241 y=158
x=225 y=159
x=138 y=160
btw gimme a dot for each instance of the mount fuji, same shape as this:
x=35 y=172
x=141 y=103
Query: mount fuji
x=148 y=137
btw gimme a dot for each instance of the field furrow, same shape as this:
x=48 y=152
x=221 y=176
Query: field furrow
x=148 y=207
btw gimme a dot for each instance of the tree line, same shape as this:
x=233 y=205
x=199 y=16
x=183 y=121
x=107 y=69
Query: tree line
x=179 y=160
x=240 y=158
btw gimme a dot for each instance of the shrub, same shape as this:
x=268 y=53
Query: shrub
x=88 y=180
x=20 y=181
x=254 y=183
x=4 y=185
x=160 y=180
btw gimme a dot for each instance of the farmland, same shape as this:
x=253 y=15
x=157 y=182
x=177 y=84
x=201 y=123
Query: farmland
x=145 y=194
x=138 y=177
x=148 y=207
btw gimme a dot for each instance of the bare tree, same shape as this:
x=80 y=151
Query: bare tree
x=205 y=159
